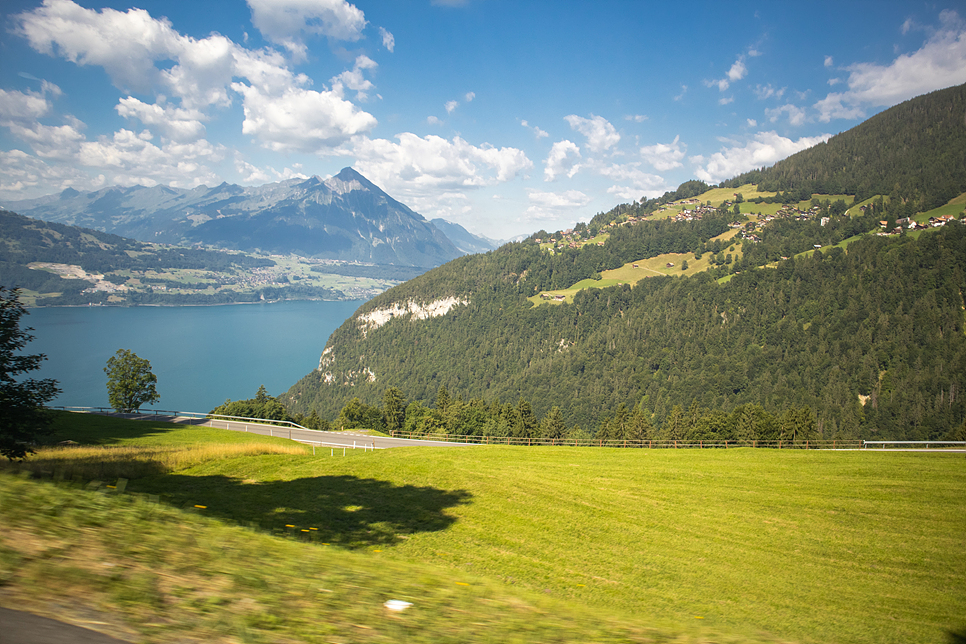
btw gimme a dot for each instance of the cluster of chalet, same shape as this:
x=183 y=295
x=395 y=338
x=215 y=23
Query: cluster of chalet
x=908 y=223
x=570 y=239
x=683 y=202
x=695 y=213
x=750 y=230
x=102 y=286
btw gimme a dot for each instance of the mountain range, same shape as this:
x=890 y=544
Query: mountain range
x=345 y=217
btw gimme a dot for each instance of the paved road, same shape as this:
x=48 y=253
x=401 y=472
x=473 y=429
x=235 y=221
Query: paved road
x=310 y=436
x=17 y=627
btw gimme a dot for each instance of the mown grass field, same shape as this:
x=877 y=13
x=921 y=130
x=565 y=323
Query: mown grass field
x=718 y=196
x=490 y=543
x=633 y=272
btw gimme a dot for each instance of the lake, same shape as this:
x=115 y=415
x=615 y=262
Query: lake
x=202 y=355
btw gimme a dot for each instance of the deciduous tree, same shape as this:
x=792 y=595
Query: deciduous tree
x=130 y=382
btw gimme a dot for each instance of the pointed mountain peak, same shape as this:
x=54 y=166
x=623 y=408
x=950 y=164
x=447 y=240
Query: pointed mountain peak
x=348 y=180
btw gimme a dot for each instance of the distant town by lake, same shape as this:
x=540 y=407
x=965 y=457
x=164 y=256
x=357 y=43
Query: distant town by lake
x=202 y=355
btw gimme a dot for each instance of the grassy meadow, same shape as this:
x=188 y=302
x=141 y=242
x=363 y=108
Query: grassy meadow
x=235 y=537
x=633 y=272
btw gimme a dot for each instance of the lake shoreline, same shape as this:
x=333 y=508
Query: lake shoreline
x=175 y=306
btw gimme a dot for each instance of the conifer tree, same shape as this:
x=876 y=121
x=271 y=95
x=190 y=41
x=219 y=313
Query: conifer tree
x=442 y=398
x=393 y=409
x=553 y=426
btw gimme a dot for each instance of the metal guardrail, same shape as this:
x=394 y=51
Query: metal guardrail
x=634 y=444
x=921 y=444
x=579 y=442
x=182 y=414
x=227 y=420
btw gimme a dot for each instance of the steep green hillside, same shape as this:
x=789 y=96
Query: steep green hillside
x=867 y=333
x=913 y=150
x=883 y=322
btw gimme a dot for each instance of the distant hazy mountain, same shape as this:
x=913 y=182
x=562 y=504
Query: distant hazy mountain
x=464 y=239
x=346 y=217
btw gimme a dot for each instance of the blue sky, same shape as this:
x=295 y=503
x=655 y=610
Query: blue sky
x=505 y=117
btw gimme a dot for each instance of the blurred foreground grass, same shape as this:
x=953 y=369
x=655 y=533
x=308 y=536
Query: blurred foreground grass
x=155 y=573
x=488 y=543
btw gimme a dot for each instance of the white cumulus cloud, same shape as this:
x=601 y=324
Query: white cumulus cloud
x=431 y=173
x=737 y=71
x=24 y=176
x=22 y=106
x=289 y=22
x=355 y=79
x=939 y=63
x=554 y=205
x=764 y=149
x=601 y=135
x=767 y=91
x=176 y=123
x=280 y=111
x=664 y=156
x=133 y=159
x=634 y=182
x=537 y=132
x=388 y=41
x=796 y=115
x=432 y=162
x=563 y=159
x=254 y=175
x=300 y=119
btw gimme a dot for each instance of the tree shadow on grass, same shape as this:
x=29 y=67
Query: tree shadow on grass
x=957 y=636
x=102 y=429
x=345 y=510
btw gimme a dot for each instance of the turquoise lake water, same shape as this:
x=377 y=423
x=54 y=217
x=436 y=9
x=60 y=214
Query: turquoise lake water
x=202 y=355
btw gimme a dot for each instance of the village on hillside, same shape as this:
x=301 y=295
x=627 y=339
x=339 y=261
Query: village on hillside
x=694 y=209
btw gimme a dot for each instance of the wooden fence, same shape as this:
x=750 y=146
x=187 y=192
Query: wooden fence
x=631 y=444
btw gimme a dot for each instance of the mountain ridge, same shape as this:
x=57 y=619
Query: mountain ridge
x=345 y=217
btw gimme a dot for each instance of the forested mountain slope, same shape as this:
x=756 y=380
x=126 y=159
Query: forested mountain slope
x=913 y=150
x=883 y=322
x=870 y=339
